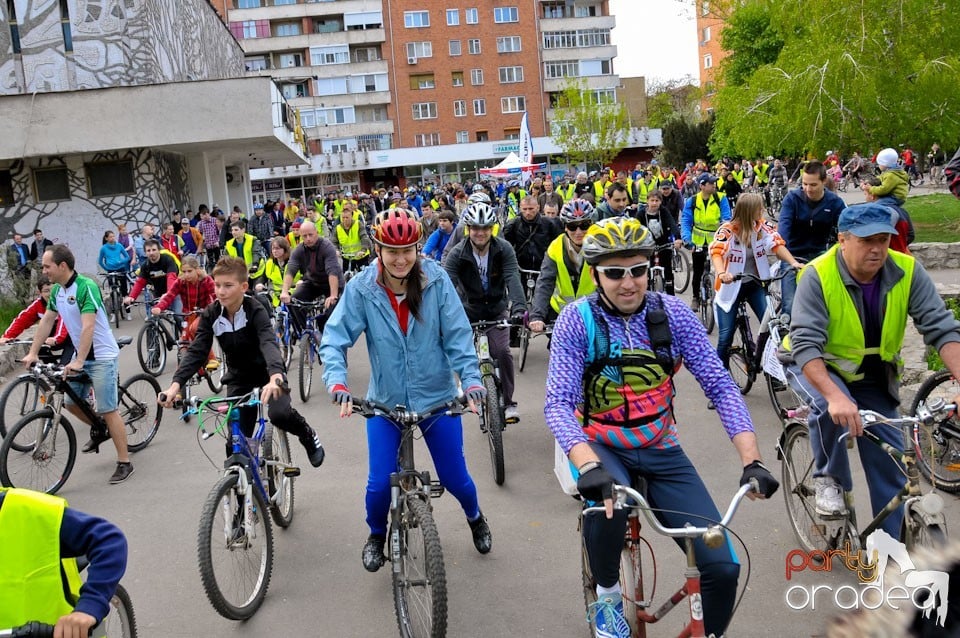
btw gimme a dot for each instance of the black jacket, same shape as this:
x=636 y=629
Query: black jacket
x=248 y=343
x=36 y=252
x=503 y=273
x=531 y=239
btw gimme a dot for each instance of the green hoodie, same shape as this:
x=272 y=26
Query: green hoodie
x=893 y=182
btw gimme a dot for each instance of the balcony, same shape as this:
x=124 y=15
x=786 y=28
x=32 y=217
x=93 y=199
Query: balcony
x=253 y=46
x=572 y=24
x=294 y=11
x=583 y=53
x=592 y=82
x=343 y=99
x=351 y=68
x=349 y=130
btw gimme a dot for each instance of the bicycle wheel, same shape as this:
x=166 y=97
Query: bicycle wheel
x=524 y=346
x=276 y=449
x=494 y=422
x=141 y=414
x=235 y=565
x=740 y=363
x=215 y=377
x=286 y=348
x=783 y=398
x=799 y=491
x=916 y=532
x=656 y=283
x=307 y=358
x=151 y=350
x=115 y=307
x=630 y=584
x=50 y=452
x=938 y=450
x=120 y=621
x=23 y=395
x=419 y=578
x=681 y=271
x=706 y=303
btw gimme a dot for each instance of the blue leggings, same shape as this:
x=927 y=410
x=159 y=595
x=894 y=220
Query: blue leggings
x=672 y=484
x=444 y=438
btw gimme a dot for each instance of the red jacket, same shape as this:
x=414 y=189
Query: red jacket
x=194 y=296
x=31 y=315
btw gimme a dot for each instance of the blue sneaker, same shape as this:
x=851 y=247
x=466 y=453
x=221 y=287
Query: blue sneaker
x=608 y=618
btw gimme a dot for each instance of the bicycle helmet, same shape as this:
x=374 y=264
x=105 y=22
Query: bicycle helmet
x=577 y=210
x=479 y=214
x=479 y=196
x=397 y=228
x=617 y=236
x=477 y=188
x=513 y=183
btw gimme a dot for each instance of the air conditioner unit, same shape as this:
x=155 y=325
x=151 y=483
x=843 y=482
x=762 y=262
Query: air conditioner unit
x=411 y=60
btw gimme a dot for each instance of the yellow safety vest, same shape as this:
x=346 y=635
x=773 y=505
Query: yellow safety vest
x=760 y=171
x=567 y=192
x=248 y=241
x=293 y=239
x=176 y=260
x=563 y=288
x=706 y=219
x=274 y=274
x=31 y=586
x=737 y=175
x=350 y=241
x=643 y=189
x=846 y=344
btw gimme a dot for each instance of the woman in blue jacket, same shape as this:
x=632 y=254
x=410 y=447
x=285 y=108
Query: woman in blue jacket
x=114 y=257
x=417 y=337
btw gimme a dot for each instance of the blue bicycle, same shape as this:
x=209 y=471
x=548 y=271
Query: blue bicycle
x=235 y=548
x=309 y=343
x=286 y=333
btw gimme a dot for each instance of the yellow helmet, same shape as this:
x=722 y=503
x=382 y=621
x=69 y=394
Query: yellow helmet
x=616 y=236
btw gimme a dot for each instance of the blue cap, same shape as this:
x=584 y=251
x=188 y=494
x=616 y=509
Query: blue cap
x=864 y=220
x=707 y=178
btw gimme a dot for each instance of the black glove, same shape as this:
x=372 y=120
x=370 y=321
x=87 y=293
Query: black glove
x=596 y=484
x=518 y=318
x=767 y=484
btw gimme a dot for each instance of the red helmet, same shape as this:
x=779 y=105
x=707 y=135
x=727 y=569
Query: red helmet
x=397 y=228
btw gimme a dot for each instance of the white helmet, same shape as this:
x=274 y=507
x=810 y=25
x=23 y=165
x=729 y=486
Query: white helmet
x=887 y=158
x=479 y=214
x=480 y=197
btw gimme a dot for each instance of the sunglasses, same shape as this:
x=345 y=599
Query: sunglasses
x=619 y=272
x=583 y=225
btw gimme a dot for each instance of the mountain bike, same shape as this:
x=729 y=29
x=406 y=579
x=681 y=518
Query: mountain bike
x=681 y=271
x=705 y=312
x=923 y=521
x=39 y=452
x=492 y=417
x=938 y=447
x=286 y=333
x=309 y=343
x=26 y=393
x=355 y=262
x=777 y=194
x=214 y=378
x=529 y=278
x=635 y=604
x=656 y=275
x=114 y=298
x=413 y=543
x=235 y=538
x=159 y=335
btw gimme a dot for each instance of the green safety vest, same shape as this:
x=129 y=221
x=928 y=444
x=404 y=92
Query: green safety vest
x=737 y=175
x=248 y=242
x=567 y=192
x=706 y=219
x=274 y=274
x=350 y=241
x=643 y=188
x=760 y=172
x=563 y=292
x=31 y=586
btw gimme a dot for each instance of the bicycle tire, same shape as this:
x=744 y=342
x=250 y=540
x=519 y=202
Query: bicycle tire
x=495 y=422
x=706 y=303
x=215 y=377
x=630 y=585
x=915 y=532
x=656 y=285
x=799 y=492
x=276 y=447
x=740 y=369
x=214 y=508
x=783 y=398
x=120 y=621
x=115 y=307
x=938 y=453
x=30 y=395
x=141 y=414
x=681 y=271
x=417 y=558
x=151 y=349
x=524 y=346
x=30 y=468
x=286 y=348
x=306 y=367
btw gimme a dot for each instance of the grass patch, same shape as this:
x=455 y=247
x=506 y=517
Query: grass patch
x=936 y=217
x=934 y=362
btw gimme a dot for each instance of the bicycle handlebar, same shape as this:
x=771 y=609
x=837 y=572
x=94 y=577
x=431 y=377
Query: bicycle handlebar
x=495 y=323
x=401 y=414
x=926 y=413
x=32 y=629
x=308 y=305
x=622 y=493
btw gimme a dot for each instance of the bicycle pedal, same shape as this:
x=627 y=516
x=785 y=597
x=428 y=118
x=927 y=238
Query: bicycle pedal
x=436 y=490
x=512 y=420
x=291 y=472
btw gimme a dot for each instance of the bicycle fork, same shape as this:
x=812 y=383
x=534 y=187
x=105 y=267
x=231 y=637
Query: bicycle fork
x=230 y=510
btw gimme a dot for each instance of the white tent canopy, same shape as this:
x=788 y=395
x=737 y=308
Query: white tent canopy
x=511 y=165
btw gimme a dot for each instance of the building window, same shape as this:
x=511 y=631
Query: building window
x=506 y=14
x=363 y=20
x=330 y=86
x=578 y=38
x=705 y=34
x=511 y=74
x=15 y=26
x=563 y=69
x=422 y=81
x=708 y=61
x=109 y=179
x=416 y=19
x=256 y=63
x=287 y=29
x=473 y=47
x=472 y=16
x=327 y=25
x=511 y=133
x=459 y=108
x=457 y=78
x=52 y=184
x=65 y=27
x=368 y=83
x=482 y=136
x=508 y=44
x=455 y=48
x=366 y=54
x=425 y=111
x=420 y=49
x=463 y=137
x=590 y=11
x=516 y=104
x=6 y=189
x=292 y=91
x=476 y=77
x=288 y=60
x=249 y=4
x=277 y=3
x=705 y=7
x=453 y=17
x=480 y=106
x=249 y=29
x=320 y=56
x=426 y=139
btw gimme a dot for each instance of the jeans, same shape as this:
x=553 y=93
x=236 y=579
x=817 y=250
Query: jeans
x=499 y=340
x=672 y=484
x=753 y=294
x=788 y=289
x=884 y=475
x=103 y=377
x=444 y=438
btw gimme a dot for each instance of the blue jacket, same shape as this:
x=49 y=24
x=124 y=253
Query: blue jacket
x=416 y=369
x=113 y=257
x=809 y=228
x=436 y=243
x=416 y=202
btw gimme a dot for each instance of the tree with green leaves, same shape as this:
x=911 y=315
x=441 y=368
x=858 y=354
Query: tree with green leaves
x=684 y=140
x=670 y=100
x=588 y=129
x=848 y=76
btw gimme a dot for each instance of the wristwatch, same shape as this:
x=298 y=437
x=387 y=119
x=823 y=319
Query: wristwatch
x=586 y=467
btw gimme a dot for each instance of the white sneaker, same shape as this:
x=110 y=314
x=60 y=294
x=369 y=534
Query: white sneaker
x=511 y=413
x=829 y=497
x=113 y=317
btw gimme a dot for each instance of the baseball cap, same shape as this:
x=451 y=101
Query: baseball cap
x=864 y=220
x=667 y=183
x=707 y=178
x=295 y=226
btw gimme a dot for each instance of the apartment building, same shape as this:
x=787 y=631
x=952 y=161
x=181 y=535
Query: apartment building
x=709 y=25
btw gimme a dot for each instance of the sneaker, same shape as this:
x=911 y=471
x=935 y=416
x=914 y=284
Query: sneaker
x=373 y=558
x=829 y=497
x=695 y=305
x=482 y=538
x=311 y=443
x=212 y=365
x=122 y=473
x=127 y=316
x=113 y=317
x=710 y=405
x=96 y=438
x=511 y=413
x=608 y=618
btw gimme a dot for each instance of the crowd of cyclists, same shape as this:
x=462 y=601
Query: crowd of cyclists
x=429 y=261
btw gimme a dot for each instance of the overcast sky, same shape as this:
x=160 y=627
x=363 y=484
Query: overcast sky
x=656 y=39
